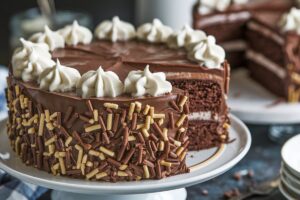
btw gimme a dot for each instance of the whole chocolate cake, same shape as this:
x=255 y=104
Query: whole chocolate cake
x=127 y=105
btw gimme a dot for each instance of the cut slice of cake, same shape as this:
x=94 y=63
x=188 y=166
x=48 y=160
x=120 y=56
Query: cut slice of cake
x=226 y=20
x=273 y=53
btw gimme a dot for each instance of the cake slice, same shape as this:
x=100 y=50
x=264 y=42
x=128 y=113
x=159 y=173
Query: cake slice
x=273 y=53
x=226 y=20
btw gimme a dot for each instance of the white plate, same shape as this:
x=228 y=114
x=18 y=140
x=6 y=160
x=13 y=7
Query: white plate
x=207 y=165
x=290 y=155
x=292 y=188
x=253 y=104
x=289 y=177
x=285 y=193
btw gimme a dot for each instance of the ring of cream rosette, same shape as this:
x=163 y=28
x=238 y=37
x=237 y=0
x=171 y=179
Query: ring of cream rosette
x=33 y=62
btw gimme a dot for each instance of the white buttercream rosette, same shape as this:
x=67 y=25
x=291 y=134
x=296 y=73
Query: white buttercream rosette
x=115 y=30
x=140 y=83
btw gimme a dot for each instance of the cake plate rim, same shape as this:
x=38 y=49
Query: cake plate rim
x=172 y=183
x=253 y=104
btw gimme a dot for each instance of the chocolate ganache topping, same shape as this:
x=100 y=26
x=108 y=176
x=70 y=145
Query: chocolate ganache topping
x=121 y=57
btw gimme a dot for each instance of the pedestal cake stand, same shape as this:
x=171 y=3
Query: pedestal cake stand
x=204 y=165
x=253 y=104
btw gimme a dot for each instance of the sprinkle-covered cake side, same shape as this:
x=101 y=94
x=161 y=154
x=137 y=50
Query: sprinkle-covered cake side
x=109 y=139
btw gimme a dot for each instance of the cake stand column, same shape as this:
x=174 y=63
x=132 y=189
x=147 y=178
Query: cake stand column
x=179 y=194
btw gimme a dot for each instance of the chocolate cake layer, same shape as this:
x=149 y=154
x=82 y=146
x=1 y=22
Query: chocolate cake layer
x=104 y=139
x=208 y=133
x=272 y=82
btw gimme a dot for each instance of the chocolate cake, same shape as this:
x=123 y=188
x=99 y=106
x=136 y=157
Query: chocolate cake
x=275 y=52
x=127 y=105
x=268 y=52
x=226 y=20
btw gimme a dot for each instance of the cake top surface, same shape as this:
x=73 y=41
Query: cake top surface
x=70 y=60
x=270 y=18
x=279 y=21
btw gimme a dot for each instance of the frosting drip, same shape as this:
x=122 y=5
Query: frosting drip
x=115 y=30
x=207 y=53
x=185 y=37
x=75 y=34
x=30 y=60
x=139 y=83
x=59 y=78
x=154 y=32
x=291 y=21
x=51 y=38
x=99 y=83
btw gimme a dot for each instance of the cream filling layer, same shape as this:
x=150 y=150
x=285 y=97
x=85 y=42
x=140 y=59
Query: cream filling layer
x=218 y=19
x=203 y=115
x=235 y=45
x=267 y=63
x=266 y=32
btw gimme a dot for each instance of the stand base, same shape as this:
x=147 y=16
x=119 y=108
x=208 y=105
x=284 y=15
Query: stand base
x=179 y=194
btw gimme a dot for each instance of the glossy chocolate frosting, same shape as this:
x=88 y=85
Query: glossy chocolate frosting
x=123 y=57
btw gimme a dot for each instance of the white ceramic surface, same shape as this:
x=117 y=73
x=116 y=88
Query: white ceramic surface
x=179 y=194
x=226 y=159
x=289 y=185
x=290 y=155
x=289 y=177
x=285 y=193
x=253 y=104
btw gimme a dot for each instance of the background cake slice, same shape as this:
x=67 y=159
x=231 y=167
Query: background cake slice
x=226 y=20
x=273 y=53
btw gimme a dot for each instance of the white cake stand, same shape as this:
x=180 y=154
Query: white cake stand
x=253 y=104
x=204 y=165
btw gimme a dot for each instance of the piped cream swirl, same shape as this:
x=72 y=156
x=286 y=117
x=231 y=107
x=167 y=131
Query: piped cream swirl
x=59 y=78
x=52 y=38
x=30 y=60
x=115 y=30
x=207 y=53
x=99 y=83
x=154 y=32
x=139 y=83
x=185 y=37
x=291 y=21
x=75 y=34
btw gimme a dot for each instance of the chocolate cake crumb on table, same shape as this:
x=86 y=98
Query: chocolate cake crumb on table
x=124 y=106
